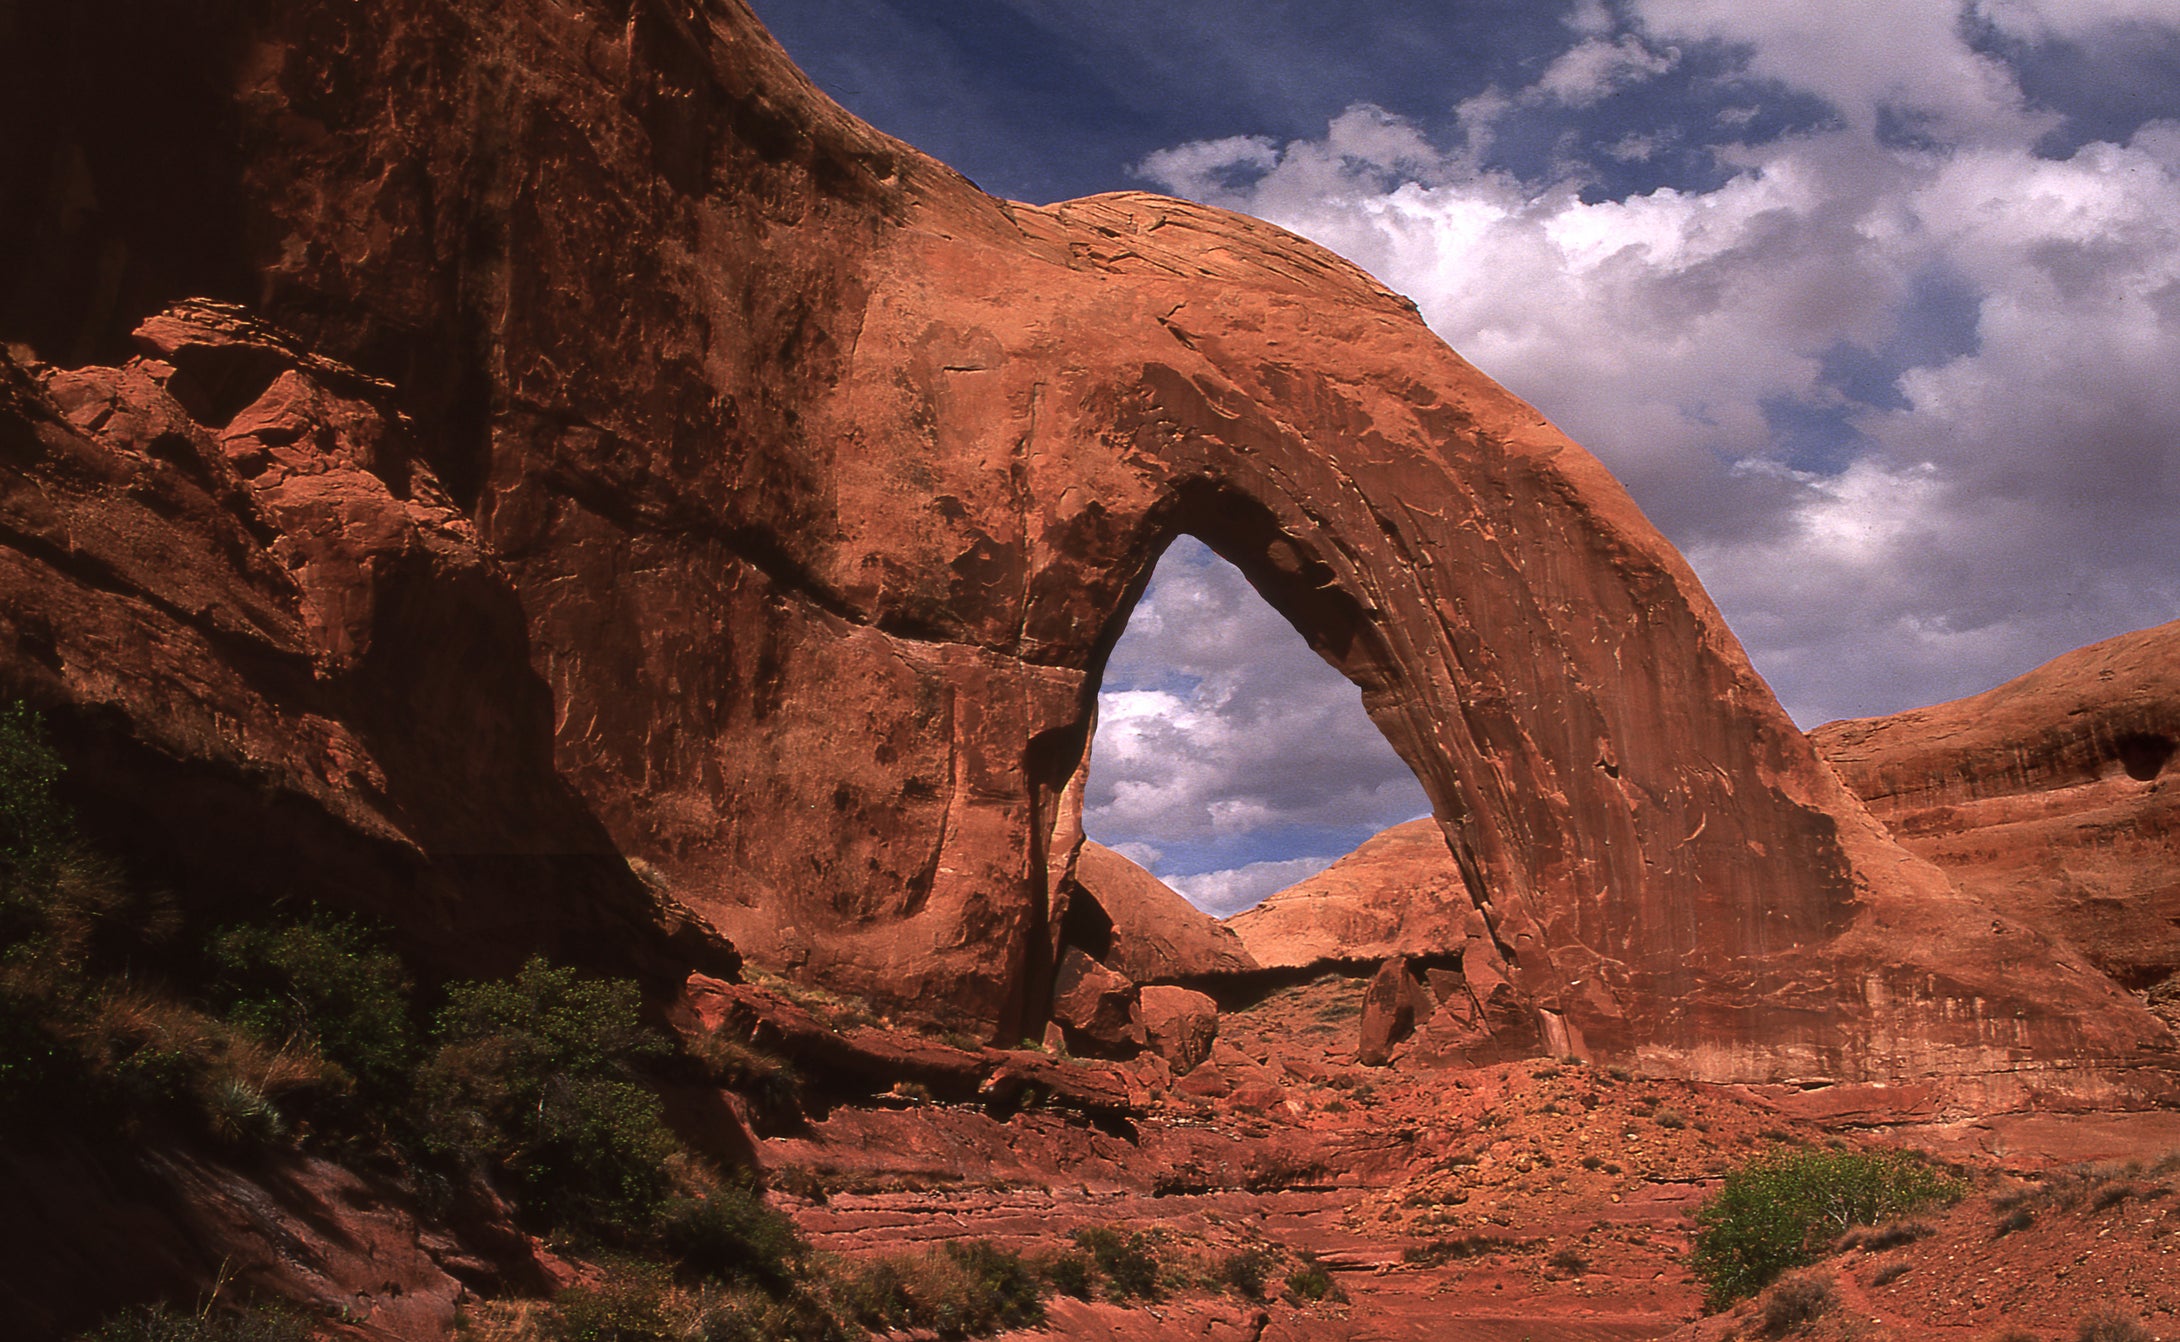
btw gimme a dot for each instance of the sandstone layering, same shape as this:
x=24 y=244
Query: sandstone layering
x=616 y=451
x=2055 y=797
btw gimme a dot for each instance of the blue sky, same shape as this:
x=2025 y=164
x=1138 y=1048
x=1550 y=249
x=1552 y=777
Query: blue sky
x=1874 y=306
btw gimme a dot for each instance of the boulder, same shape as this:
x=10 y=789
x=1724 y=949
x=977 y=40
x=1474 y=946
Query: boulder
x=1392 y=1006
x=1100 y=1010
x=1145 y=929
x=1182 y=1025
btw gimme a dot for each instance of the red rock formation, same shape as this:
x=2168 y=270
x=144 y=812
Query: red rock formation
x=1392 y=1005
x=2055 y=797
x=1400 y=893
x=813 y=486
x=1140 y=927
x=1182 y=1025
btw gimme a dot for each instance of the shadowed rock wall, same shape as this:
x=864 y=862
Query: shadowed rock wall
x=824 y=484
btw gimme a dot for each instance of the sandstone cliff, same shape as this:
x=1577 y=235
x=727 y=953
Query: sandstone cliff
x=789 y=495
x=2055 y=797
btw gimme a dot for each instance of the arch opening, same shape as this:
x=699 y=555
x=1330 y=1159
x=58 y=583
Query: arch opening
x=1231 y=759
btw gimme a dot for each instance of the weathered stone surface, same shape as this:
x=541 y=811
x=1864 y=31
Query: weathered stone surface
x=1400 y=893
x=1141 y=927
x=2055 y=797
x=281 y=662
x=809 y=486
x=1392 y=1005
x=1100 y=1010
x=1182 y=1025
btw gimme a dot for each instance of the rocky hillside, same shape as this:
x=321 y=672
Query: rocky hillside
x=2054 y=797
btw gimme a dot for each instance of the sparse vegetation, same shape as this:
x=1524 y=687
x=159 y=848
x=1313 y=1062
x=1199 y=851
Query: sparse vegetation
x=162 y=1323
x=1126 y=1259
x=1310 y=1281
x=1781 y=1211
x=2111 y=1325
x=1796 y=1302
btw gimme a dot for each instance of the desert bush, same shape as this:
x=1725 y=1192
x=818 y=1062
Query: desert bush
x=1796 y=1302
x=1310 y=1281
x=1670 y=1119
x=764 y=1077
x=325 y=982
x=1890 y=1235
x=969 y=1288
x=1126 y=1259
x=2020 y=1218
x=34 y=825
x=162 y=1323
x=1245 y=1271
x=534 y=1080
x=727 y=1233
x=1070 y=1272
x=1780 y=1211
x=1569 y=1261
x=1446 y=1250
x=1890 y=1273
x=2110 y=1325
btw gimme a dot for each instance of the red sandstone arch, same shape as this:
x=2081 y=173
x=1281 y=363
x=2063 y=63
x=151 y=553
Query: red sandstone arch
x=822 y=479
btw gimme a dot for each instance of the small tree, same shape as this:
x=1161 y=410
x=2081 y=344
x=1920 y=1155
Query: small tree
x=1782 y=1210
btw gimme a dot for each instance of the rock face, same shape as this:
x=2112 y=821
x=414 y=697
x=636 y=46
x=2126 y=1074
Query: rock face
x=808 y=489
x=2055 y=797
x=1140 y=927
x=1400 y=893
x=1392 y=1004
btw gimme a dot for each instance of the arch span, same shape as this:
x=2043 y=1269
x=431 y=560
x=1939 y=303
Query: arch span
x=821 y=478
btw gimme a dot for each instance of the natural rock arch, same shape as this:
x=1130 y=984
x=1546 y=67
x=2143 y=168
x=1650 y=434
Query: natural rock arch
x=821 y=479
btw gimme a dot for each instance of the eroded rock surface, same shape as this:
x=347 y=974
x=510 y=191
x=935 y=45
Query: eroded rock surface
x=2055 y=797
x=791 y=492
x=1141 y=927
x=1400 y=893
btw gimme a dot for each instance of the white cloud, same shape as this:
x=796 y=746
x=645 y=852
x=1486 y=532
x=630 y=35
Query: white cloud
x=1225 y=893
x=2004 y=485
x=1218 y=728
x=1595 y=69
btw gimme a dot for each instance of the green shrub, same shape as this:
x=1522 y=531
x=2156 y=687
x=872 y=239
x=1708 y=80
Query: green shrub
x=34 y=826
x=1126 y=1259
x=969 y=1288
x=1070 y=1273
x=1311 y=1281
x=1780 y=1211
x=729 y=1234
x=161 y=1323
x=1245 y=1271
x=534 y=1079
x=326 y=983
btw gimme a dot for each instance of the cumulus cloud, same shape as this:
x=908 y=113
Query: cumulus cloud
x=1899 y=383
x=1226 y=750
x=1225 y=893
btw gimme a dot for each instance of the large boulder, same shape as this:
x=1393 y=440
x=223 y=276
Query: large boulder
x=1144 y=929
x=809 y=486
x=1101 y=1011
x=1182 y=1024
x=1392 y=1005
